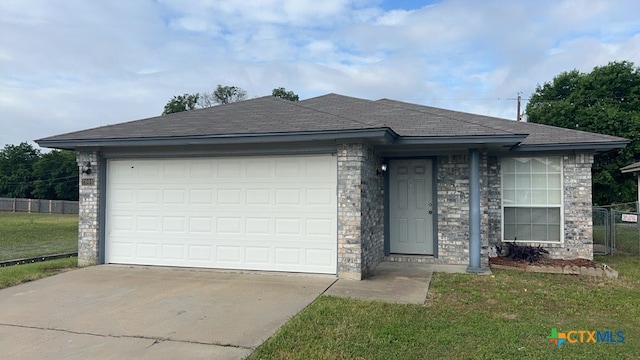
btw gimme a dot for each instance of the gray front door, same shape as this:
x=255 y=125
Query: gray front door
x=411 y=207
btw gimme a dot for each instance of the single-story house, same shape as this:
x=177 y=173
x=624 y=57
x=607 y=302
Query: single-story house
x=331 y=184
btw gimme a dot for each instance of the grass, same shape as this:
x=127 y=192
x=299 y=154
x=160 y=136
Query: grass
x=504 y=316
x=627 y=237
x=24 y=235
x=17 y=274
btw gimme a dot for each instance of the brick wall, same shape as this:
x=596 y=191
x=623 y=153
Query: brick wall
x=578 y=232
x=360 y=211
x=89 y=205
x=453 y=209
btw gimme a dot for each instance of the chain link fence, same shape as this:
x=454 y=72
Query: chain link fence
x=39 y=206
x=616 y=229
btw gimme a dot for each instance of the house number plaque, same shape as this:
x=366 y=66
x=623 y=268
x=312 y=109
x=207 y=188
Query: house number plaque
x=87 y=182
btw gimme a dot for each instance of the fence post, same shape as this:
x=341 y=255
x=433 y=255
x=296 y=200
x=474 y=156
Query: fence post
x=613 y=231
x=14 y=204
x=50 y=206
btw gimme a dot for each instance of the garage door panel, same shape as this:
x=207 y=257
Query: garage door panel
x=258 y=226
x=288 y=256
x=250 y=213
x=201 y=254
x=259 y=256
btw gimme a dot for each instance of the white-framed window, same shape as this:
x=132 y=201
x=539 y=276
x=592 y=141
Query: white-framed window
x=532 y=199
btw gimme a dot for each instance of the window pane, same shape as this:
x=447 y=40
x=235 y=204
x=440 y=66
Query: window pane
x=539 y=197
x=539 y=232
x=523 y=215
x=554 y=232
x=523 y=232
x=509 y=197
x=523 y=165
x=538 y=216
x=508 y=165
x=523 y=181
x=554 y=164
x=509 y=215
x=554 y=197
x=539 y=181
x=539 y=165
x=509 y=232
x=554 y=181
x=523 y=197
x=553 y=216
x=509 y=181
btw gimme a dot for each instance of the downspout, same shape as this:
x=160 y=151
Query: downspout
x=474 y=212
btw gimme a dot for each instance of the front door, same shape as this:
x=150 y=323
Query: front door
x=411 y=207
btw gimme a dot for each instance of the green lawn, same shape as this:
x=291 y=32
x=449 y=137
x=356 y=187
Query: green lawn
x=507 y=315
x=25 y=235
x=16 y=274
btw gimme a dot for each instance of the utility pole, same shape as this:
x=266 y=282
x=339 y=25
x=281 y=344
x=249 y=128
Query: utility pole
x=519 y=99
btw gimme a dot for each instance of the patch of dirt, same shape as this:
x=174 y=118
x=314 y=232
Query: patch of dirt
x=503 y=260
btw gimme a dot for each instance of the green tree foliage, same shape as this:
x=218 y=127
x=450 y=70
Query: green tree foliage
x=228 y=94
x=221 y=95
x=605 y=101
x=16 y=170
x=284 y=94
x=56 y=176
x=26 y=173
x=181 y=103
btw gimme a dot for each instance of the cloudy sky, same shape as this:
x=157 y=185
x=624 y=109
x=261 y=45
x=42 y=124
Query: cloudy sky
x=67 y=65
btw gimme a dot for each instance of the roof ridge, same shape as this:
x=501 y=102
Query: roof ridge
x=298 y=103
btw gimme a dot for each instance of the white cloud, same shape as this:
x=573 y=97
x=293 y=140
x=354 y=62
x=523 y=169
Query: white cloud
x=73 y=64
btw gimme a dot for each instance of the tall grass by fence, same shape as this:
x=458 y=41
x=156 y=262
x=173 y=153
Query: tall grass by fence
x=39 y=206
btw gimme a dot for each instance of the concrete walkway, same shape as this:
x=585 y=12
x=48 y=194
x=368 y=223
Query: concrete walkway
x=398 y=282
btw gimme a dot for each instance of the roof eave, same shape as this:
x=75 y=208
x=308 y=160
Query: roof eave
x=382 y=135
x=595 y=146
x=509 y=139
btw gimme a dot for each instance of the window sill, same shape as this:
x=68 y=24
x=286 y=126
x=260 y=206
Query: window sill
x=547 y=244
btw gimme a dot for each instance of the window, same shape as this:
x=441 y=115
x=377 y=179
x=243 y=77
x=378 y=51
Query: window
x=532 y=199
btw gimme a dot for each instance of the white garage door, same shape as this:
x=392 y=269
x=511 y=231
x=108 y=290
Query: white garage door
x=257 y=213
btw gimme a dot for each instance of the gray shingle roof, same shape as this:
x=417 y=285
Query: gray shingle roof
x=330 y=113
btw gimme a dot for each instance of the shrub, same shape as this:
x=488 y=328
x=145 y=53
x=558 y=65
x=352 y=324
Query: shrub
x=527 y=253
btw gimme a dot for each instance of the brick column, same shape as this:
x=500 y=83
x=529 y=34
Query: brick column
x=360 y=211
x=89 y=208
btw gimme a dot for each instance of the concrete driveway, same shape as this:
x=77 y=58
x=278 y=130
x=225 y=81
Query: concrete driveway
x=125 y=312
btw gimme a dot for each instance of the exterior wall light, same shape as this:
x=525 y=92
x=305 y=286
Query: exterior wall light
x=86 y=168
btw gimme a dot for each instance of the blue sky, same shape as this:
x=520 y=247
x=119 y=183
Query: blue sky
x=75 y=64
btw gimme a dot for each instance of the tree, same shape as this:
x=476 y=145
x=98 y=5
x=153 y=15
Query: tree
x=181 y=103
x=228 y=94
x=16 y=167
x=284 y=94
x=56 y=176
x=605 y=101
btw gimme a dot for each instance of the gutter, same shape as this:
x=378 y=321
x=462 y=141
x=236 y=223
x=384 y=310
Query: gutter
x=594 y=146
x=384 y=135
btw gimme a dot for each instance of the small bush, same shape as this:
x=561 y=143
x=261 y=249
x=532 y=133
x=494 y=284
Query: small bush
x=527 y=253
